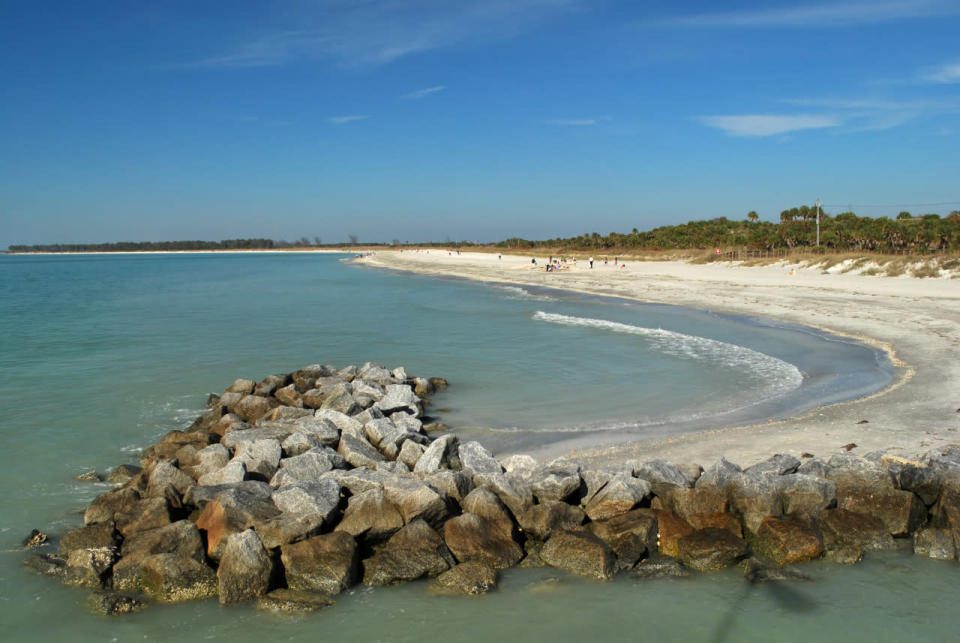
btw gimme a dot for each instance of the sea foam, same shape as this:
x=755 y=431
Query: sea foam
x=780 y=376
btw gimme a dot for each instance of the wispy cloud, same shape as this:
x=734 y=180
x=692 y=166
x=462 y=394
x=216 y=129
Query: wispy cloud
x=838 y=14
x=760 y=125
x=349 y=118
x=860 y=114
x=577 y=122
x=946 y=74
x=369 y=33
x=423 y=93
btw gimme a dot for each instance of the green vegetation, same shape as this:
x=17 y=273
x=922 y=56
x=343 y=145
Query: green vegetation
x=797 y=230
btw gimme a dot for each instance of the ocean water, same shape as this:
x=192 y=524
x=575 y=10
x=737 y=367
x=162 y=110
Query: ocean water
x=101 y=355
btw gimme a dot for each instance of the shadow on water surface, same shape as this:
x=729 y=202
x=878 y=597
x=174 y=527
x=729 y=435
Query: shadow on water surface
x=782 y=595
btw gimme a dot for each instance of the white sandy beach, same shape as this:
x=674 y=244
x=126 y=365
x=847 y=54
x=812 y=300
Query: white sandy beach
x=916 y=320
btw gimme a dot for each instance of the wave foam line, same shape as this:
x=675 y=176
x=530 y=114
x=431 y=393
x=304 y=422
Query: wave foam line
x=782 y=375
x=515 y=292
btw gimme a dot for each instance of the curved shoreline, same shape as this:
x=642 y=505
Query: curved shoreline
x=915 y=322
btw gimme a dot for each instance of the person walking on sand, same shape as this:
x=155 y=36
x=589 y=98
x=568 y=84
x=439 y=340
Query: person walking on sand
x=591 y=262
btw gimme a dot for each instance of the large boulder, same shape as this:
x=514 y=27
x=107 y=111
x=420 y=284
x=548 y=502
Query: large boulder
x=621 y=494
x=320 y=498
x=542 y=520
x=245 y=570
x=472 y=537
x=512 y=490
x=805 y=494
x=755 y=497
x=476 y=459
x=148 y=513
x=399 y=397
x=306 y=467
x=558 y=481
x=165 y=473
x=663 y=476
x=580 y=553
x=234 y=510
x=328 y=563
x=788 y=541
x=260 y=457
x=231 y=473
x=359 y=452
x=629 y=535
x=370 y=517
x=670 y=529
x=107 y=506
x=441 y=454
x=208 y=460
x=416 y=499
x=253 y=407
x=180 y=539
x=847 y=534
x=411 y=553
x=172 y=578
x=93 y=536
x=935 y=542
x=711 y=549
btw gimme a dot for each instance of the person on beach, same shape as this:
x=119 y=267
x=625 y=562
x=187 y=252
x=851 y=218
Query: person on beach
x=591 y=263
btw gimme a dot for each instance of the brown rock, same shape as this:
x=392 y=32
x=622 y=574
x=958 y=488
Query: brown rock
x=580 y=553
x=671 y=528
x=327 y=563
x=788 y=541
x=711 y=549
x=471 y=537
x=541 y=521
x=413 y=552
x=469 y=578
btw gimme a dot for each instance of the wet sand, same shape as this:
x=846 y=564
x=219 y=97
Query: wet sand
x=917 y=321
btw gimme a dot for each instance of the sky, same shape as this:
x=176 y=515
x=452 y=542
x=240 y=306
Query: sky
x=430 y=120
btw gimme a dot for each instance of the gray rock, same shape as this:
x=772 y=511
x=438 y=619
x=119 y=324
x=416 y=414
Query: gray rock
x=322 y=428
x=755 y=497
x=453 y=484
x=778 y=465
x=344 y=423
x=475 y=459
x=923 y=481
x=556 y=483
x=815 y=467
x=441 y=454
x=399 y=397
x=521 y=466
x=416 y=500
x=379 y=430
x=235 y=471
x=369 y=414
x=413 y=552
x=542 y=520
x=370 y=517
x=234 y=510
x=123 y=474
x=299 y=443
x=306 y=467
x=245 y=569
x=621 y=494
x=663 y=476
x=89 y=567
x=366 y=394
x=166 y=473
x=329 y=563
x=804 y=494
x=513 y=492
x=340 y=399
x=94 y=536
x=148 y=513
x=410 y=453
x=243 y=433
x=108 y=505
x=358 y=480
x=199 y=496
x=472 y=537
x=407 y=423
x=210 y=459
x=180 y=539
x=358 y=452
x=260 y=457
x=320 y=498
x=375 y=373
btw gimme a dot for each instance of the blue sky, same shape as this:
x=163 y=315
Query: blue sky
x=430 y=120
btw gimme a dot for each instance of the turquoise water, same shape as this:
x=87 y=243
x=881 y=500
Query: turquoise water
x=101 y=355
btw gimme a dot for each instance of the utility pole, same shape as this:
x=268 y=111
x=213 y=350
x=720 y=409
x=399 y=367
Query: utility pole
x=818 y=223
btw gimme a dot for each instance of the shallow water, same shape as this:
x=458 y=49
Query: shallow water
x=101 y=355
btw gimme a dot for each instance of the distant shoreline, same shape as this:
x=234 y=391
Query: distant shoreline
x=191 y=252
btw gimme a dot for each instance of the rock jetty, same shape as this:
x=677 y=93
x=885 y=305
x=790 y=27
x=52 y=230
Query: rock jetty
x=289 y=490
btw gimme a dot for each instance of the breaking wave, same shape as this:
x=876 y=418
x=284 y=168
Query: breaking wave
x=515 y=292
x=781 y=376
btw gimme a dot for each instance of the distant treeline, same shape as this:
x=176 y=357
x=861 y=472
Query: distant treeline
x=797 y=229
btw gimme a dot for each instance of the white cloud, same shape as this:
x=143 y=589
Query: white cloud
x=421 y=93
x=354 y=33
x=342 y=120
x=944 y=75
x=819 y=15
x=759 y=125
